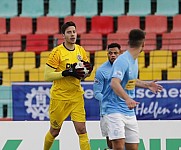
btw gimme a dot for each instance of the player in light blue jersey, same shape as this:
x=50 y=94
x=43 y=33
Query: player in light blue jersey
x=120 y=123
x=102 y=76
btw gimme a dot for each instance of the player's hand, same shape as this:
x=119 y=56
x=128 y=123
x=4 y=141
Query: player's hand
x=88 y=66
x=154 y=87
x=131 y=103
x=75 y=72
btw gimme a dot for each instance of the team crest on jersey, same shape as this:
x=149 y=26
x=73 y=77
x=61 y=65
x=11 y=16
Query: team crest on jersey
x=79 y=57
x=118 y=74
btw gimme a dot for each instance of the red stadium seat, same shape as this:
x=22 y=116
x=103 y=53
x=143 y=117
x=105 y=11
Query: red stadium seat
x=91 y=41
x=47 y=25
x=156 y=24
x=80 y=22
x=176 y=23
x=102 y=24
x=150 y=42
x=121 y=38
x=37 y=42
x=2 y=25
x=10 y=43
x=126 y=23
x=171 y=41
x=59 y=38
x=21 y=25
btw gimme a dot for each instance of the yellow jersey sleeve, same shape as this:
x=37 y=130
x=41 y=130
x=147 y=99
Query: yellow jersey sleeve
x=54 y=59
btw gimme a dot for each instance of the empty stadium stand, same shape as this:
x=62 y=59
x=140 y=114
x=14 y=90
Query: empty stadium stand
x=37 y=74
x=59 y=8
x=141 y=60
x=47 y=25
x=91 y=41
x=150 y=74
x=176 y=23
x=86 y=8
x=100 y=58
x=102 y=24
x=121 y=38
x=139 y=7
x=37 y=43
x=8 y=8
x=171 y=41
x=4 y=64
x=178 y=64
x=126 y=23
x=113 y=8
x=173 y=73
x=24 y=60
x=32 y=8
x=13 y=75
x=21 y=25
x=167 y=7
x=156 y=24
x=34 y=26
x=160 y=59
x=10 y=42
x=150 y=42
x=2 y=25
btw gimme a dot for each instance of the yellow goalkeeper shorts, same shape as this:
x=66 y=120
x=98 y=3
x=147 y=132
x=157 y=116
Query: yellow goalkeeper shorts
x=59 y=110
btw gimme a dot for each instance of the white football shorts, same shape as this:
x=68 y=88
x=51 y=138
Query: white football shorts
x=117 y=126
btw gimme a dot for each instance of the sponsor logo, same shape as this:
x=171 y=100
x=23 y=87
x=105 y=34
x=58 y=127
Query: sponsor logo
x=37 y=103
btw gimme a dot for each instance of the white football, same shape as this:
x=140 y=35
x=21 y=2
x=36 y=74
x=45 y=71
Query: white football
x=81 y=65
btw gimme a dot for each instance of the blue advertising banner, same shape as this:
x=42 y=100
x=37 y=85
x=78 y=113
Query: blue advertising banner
x=31 y=102
x=165 y=105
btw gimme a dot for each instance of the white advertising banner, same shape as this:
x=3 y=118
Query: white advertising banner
x=29 y=135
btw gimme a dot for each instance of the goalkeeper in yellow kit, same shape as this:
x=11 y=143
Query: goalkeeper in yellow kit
x=66 y=92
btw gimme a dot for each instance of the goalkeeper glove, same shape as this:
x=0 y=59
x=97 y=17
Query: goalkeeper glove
x=74 y=72
x=88 y=66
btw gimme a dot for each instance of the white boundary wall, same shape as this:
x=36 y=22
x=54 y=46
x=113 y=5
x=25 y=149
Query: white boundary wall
x=32 y=133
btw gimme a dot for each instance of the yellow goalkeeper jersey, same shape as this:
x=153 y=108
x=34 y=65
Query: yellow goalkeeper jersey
x=61 y=58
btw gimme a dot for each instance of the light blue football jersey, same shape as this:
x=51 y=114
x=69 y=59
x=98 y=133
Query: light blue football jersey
x=126 y=69
x=101 y=81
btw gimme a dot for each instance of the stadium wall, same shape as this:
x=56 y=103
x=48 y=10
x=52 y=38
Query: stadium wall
x=21 y=135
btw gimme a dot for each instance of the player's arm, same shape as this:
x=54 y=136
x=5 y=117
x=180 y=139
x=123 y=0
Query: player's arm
x=50 y=74
x=153 y=86
x=119 y=68
x=142 y=84
x=98 y=85
x=118 y=89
